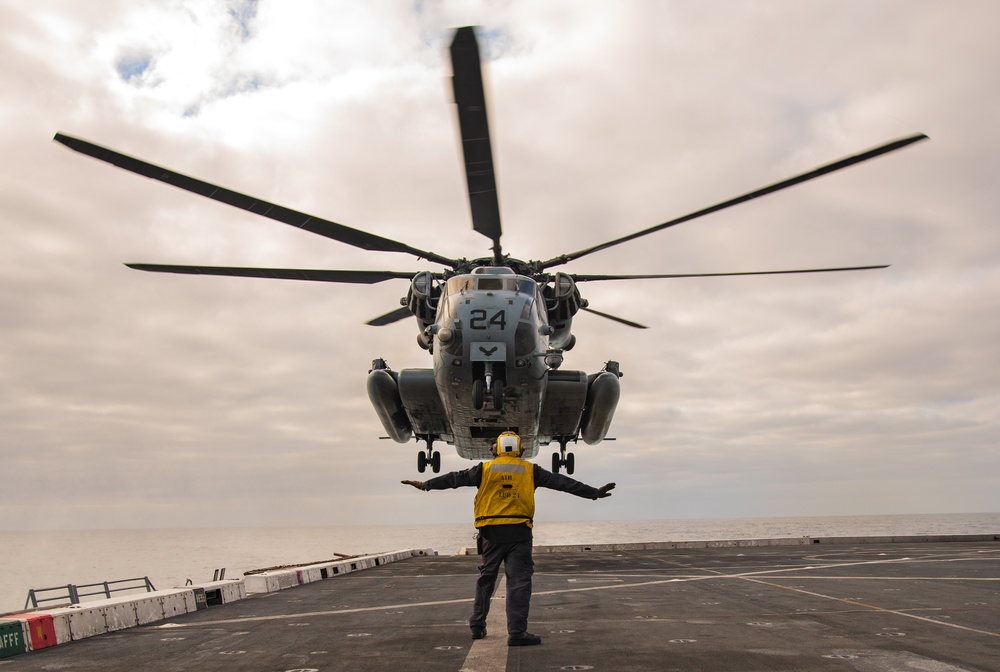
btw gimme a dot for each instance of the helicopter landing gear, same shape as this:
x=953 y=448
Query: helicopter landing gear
x=429 y=457
x=478 y=394
x=496 y=391
x=563 y=459
x=492 y=383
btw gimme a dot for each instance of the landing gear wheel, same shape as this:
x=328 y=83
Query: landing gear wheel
x=562 y=458
x=496 y=391
x=421 y=461
x=436 y=461
x=478 y=393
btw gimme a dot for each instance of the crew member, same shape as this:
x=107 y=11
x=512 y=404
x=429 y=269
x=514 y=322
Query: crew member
x=504 y=509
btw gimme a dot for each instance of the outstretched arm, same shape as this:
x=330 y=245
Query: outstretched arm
x=546 y=479
x=456 y=479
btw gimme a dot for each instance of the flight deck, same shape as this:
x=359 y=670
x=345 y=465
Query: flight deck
x=930 y=606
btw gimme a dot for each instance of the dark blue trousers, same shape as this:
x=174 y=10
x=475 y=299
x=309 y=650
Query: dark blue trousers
x=518 y=568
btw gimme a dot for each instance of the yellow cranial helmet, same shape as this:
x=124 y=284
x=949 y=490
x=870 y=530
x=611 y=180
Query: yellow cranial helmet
x=508 y=443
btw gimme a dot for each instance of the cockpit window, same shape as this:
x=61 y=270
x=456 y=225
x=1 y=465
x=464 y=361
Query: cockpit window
x=523 y=285
x=459 y=284
x=490 y=283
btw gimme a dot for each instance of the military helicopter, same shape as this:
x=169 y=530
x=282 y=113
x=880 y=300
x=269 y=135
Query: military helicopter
x=497 y=327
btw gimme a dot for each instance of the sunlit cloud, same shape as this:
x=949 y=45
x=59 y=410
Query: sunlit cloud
x=147 y=399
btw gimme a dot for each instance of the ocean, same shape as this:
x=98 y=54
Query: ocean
x=169 y=557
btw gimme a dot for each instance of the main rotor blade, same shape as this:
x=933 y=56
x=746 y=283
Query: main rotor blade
x=589 y=278
x=467 y=80
x=777 y=186
x=622 y=320
x=317 y=225
x=389 y=318
x=353 y=277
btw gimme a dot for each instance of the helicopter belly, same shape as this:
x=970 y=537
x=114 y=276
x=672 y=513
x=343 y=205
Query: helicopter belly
x=565 y=399
x=420 y=398
x=477 y=422
x=475 y=431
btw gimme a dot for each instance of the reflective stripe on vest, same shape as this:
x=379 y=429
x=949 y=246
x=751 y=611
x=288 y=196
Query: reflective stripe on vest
x=507 y=493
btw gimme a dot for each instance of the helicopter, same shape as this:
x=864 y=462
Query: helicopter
x=497 y=327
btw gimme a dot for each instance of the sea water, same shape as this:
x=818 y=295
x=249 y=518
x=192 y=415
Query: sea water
x=170 y=557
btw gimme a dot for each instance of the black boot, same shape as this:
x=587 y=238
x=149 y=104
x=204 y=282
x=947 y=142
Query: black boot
x=523 y=639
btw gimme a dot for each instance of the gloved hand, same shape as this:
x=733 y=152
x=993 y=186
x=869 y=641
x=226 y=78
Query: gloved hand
x=605 y=490
x=419 y=485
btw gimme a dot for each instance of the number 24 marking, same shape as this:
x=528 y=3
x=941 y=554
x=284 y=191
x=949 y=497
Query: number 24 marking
x=479 y=320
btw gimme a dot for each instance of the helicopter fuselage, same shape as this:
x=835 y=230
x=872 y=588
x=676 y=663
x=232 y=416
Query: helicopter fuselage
x=494 y=368
x=489 y=347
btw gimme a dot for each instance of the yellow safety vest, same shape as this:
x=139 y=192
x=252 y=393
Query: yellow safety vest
x=507 y=492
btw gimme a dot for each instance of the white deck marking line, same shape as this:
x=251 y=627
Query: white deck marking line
x=875 y=608
x=617 y=586
x=719 y=575
x=809 y=577
x=308 y=614
x=490 y=654
x=580 y=578
x=747 y=577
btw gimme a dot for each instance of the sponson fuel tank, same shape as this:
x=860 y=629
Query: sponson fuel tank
x=602 y=400
x=383 y=392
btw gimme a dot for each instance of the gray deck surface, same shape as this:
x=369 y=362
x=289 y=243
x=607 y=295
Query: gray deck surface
x=928 y=607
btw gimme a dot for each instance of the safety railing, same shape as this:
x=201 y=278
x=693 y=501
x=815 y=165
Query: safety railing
x=75 y=593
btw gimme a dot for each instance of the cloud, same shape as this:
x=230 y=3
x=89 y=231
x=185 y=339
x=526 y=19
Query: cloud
x=244 y=12
x=144 y=400
x=132 y=66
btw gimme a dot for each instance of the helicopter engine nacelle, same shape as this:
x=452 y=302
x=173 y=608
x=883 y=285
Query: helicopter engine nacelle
x=383 y=392
x=562 y=301
x=602 y=400
x=422 y=299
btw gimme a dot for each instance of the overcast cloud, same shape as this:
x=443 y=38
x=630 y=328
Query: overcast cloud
x=132 y=399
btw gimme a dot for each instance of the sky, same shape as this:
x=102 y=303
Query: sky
x=135 y=400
